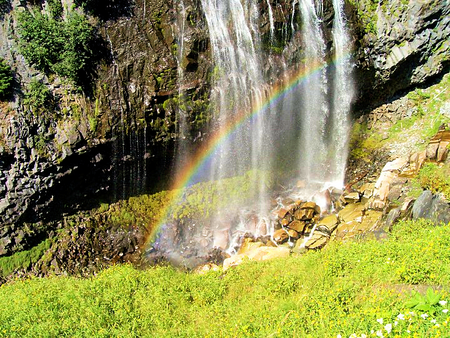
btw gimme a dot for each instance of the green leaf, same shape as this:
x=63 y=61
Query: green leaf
x=432 y=297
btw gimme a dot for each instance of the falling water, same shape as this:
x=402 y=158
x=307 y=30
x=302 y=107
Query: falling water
x=306 y=131
x=314 y=97
x=238 y=85
x=271 y=23
x=343 y=94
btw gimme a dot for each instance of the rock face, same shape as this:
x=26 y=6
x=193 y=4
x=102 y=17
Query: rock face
x=409 y=45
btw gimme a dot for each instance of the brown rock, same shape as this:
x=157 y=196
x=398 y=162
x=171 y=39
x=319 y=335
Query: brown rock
x=442 y=151
x=331 y=222
x=432 y=149
x=308 y=205
x=304 y=214
x=281 y=213
x=352 y=197
x=298 y=226
x=248 y=245
x=351 y=212
x=280 y=236
x=317 y=241
x=293 y=234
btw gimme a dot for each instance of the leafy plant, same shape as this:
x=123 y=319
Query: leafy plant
x=6 y=79
x=56 y=46
x=38 y=96
x=427 y=303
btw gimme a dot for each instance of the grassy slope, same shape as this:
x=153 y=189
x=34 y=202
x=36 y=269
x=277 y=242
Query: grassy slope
x=341 y=290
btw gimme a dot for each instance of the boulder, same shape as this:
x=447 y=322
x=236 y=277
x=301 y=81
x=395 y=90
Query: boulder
x=317 y=241
x=298 y=226
x=331 y=222
x=432 y=207
x=280 y=236
x=352 y=197
x=248 y=245
x=304 y=214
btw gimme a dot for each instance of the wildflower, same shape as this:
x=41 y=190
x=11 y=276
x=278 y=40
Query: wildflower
x=388 y=328
x=407 y=331
x=395 y=323
x=372 y=331
x=338 y=336
x=424 y=315
x=363 y=336
x=445 y=310
x=433 y=321
x=380 y=333
x=437 y=325
x=442 y=302
x=380 y=320
x=353 y=335
x=401 y=316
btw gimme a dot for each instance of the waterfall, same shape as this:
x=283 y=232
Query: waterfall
x=343 y=94
x=314 y=109
x=303 y=133
x=238 y=86
x=271 y=23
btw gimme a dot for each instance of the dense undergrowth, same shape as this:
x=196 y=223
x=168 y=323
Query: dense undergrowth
x=349 y=288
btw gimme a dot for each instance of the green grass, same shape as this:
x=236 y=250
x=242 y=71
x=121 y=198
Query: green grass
x=342 y=290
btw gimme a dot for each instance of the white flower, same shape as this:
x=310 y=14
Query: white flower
x=395 y=323
x=437 y=325
x=401 y=316
x=380 y=320
x=372 y=331
x=380 y=333
x=445 y=310
x=353 y=335
x=388 y=328
x=442 y=302
x=433 y=321
x=338 y=336
x=363 y=336
x=407 y=331
x=424 y=315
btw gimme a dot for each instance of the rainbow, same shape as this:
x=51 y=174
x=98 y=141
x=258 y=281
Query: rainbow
x=185 y=176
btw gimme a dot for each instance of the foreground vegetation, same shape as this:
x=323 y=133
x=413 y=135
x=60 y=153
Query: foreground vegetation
x=360 y=287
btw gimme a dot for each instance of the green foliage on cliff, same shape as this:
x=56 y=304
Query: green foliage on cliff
x=366 y=10
x=23 y=259
x=348 y=289
x=6 y=79
x=56 y=46
x=435 y=178
x=38 y=96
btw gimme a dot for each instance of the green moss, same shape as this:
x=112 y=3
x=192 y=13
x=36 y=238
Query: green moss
x=435 y=178
x=23 y=259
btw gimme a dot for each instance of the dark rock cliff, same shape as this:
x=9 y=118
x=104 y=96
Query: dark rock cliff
x=117 y=139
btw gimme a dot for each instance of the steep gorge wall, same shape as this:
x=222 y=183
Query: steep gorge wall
x=116 y=140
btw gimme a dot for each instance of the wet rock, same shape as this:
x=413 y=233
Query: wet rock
x=281 y=213
x=352 y=197
x=308 y=205
x=351 y=212
x=304 y=214
x=280 y=236
x=293 y=234
x=298 y=226
x=331 y=222
x=317 y=241
x=248 y=245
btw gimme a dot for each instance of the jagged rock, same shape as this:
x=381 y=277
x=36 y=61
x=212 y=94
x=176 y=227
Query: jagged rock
x=432 y=207
x=317 y=241
x=304 y=214
x=249 y=245
x=280 y=236
x=298 y=226
x=331 y=222
x=351 y=212
x=352 y=197
x=392 y=217
x=293 y=234
x=308 y=205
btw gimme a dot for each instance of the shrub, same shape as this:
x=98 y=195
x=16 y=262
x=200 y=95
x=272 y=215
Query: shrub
x=38 y=96
x=435 y=178
x=56 y=46
x=6 y=79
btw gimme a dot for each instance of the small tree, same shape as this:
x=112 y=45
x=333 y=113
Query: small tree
x=38 y=96
x=6 y=79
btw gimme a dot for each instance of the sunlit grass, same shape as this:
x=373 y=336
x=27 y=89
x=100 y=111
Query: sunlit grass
x=341 y=290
